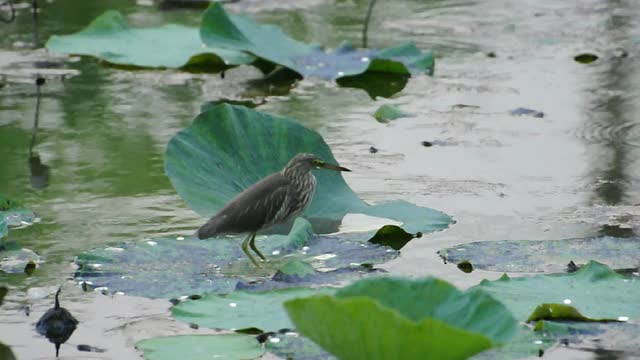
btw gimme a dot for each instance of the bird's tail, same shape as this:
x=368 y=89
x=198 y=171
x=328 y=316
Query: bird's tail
x=210 y=229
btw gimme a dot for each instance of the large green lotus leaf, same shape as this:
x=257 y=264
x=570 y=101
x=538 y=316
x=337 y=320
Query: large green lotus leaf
x=169 y=267
x=226 y=346
x=242 y=310
x=595 y=290
x=109 y=38
x=546 y=255
x=240 y=33
x=423 y=319
x=12 y=213
x=437 y=299
x=228 y=148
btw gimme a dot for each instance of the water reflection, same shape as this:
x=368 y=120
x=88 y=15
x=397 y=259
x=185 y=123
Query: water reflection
x=612 y=120
x=39 y=171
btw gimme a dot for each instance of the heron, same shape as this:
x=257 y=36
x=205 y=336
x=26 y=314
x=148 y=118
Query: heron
x=275 y=199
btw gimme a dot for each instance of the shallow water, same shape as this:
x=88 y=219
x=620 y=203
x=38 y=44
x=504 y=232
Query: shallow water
x=103 y=135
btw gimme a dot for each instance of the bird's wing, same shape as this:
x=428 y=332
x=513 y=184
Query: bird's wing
x=258 y=206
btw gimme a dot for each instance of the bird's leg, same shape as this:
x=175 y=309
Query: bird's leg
x=252 y=243
x=245 y=248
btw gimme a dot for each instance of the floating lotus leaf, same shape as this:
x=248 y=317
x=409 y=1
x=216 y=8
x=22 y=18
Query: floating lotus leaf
x=423 y=319
x=109 y=38
x=168 y=267
x=388 y=112
x=16 y=260
x=241 y=309
x=617 y=337
x=240 y=33
x=227 y=40
x=594 y=290
x=546 y=255
x=229 y=148
x=12 y=213
x=560 y=312
x=226 y=346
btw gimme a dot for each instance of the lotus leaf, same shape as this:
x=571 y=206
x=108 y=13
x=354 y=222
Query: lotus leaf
x=595 y=290
x=241 y=309
x=423 y=319
x=228 y=148
x=617 y=336
x=109 y=38
x=226 y=346
x=6 y=353
x=560 y=312
x=168 y=267
x=393 y=236
x=16 y=260
x=240 y=33
x=12 y=213
x=546 y=255
x=226 y=40
x=388 y=112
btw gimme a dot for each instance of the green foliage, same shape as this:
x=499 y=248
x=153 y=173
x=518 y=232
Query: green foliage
x=560 y=312
x=242 y=309
x=109 y=38
x=228 y=148
x=168 y=267
x=227 y=40
x=595 y=290
x=383 y=318
x=388 y=112
x=226 y=346
x=546 y=255
x=586 y=58
x=6 y=353
x=393 y=236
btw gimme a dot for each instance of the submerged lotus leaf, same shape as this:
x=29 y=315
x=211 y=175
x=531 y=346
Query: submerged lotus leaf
x=595 y=290
x=242 y=309
x=546 y=255
x=269 y=42
x=109 y=38
x=14 y=259
x=292 y=346
x=168 y=267
x=423 y=319
x=12 y=213
x=617 y=336
x=225 y=346
x=229 y=148
x=388 y=112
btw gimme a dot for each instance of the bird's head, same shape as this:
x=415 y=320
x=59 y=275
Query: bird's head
x=303 y=163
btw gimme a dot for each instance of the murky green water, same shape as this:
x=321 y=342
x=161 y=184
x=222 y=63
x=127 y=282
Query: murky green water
x=103 y=133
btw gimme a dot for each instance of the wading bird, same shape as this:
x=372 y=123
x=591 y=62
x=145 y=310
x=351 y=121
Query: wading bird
x=273 y=200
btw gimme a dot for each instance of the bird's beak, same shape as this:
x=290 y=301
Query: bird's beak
x=334 y=167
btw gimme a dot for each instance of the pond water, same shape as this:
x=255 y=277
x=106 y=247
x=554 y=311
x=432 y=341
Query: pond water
x=103 y=133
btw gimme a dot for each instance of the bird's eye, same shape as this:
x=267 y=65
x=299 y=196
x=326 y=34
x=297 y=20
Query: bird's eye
x=317 y=162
